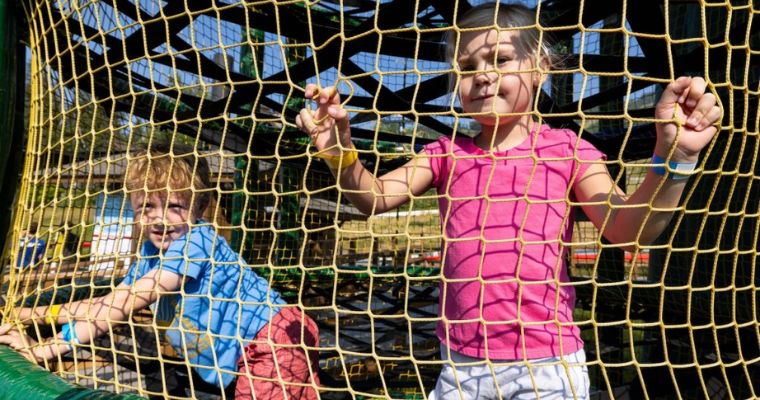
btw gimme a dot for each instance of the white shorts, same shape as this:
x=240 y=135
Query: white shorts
x=544 y=378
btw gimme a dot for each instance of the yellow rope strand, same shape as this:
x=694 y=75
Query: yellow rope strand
x=99 y=91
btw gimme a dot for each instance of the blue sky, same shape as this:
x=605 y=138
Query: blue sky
x=210 y=37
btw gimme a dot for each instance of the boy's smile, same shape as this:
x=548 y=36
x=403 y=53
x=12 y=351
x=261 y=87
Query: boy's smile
x=163 y=218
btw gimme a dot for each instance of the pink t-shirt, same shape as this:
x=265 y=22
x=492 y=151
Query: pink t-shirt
x=508 y=212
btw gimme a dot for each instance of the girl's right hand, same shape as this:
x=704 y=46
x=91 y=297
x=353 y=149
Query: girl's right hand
x=329 y=123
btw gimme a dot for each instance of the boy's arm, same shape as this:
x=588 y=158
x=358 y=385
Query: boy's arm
x=329 y=125
x=93 y=322
x=115 y=305
x=641 y=218
x=122 y=302
x=56 y=314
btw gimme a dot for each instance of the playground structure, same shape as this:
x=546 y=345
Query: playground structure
x=675 y=319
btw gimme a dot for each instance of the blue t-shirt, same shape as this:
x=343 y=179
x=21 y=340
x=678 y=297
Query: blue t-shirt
x=31 y=249
x=218 y=284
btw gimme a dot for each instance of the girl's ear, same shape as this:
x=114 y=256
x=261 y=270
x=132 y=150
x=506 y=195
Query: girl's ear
x=544 y=65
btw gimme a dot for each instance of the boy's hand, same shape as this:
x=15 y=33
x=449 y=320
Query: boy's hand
x=685 y=101
x=28 y=347
x=328 y=123
x=19 y=341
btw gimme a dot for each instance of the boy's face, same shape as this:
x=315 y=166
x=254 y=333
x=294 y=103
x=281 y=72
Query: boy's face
x=163 y=218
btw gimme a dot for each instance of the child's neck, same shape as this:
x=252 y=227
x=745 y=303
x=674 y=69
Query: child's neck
x=505 y=137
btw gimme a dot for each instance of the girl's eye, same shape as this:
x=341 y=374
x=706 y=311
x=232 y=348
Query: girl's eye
x=466 y=67
x=503 y=60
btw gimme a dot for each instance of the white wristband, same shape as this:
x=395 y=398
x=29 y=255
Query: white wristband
x=671 y=169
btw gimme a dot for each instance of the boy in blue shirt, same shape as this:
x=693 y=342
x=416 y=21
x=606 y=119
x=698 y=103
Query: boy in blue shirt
x=216 y=313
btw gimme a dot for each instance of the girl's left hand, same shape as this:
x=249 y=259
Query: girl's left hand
x=696 y=111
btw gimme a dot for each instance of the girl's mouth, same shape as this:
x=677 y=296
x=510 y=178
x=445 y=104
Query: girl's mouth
x=483 y=97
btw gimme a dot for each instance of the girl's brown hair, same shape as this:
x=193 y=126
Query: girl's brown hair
x=501 y=16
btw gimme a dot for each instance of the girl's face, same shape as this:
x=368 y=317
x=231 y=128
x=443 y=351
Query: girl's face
x=497 y=76
x=163 y=218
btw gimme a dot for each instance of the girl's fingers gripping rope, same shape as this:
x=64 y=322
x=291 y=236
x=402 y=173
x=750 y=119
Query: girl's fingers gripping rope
x=328 y=105
x=325 y=98
x=677 y=91
x=695 y=92
x=310 y=91
x=305 y=122
x=697 y=118
x=711 y=118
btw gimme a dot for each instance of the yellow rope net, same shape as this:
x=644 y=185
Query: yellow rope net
x=677 y=318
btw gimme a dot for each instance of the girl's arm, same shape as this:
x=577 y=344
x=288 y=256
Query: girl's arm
x=641 y=217
x=628 y=214
x=377 y=195
x=93 y=317
x=329 y=125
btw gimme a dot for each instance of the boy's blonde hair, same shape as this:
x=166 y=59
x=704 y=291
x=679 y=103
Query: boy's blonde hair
x=179 y=169
x=500 y=16
x=175 y=169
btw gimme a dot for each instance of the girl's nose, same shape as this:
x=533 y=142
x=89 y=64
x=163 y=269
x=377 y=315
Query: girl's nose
x=485 y=74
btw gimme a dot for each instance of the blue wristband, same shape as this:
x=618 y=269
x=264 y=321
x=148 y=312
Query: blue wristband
x=673 y=170
x=69 y=333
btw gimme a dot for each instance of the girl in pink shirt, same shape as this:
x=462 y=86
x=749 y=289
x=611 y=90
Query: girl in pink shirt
x=505 y=206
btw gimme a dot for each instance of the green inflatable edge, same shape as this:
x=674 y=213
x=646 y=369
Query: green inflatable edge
x=21 y=380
